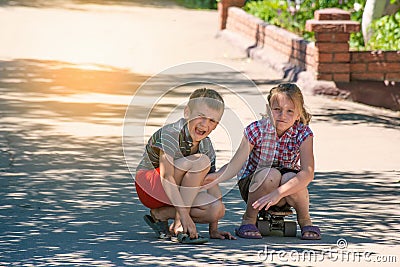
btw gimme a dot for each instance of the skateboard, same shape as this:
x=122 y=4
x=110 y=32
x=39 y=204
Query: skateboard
x=268 y=221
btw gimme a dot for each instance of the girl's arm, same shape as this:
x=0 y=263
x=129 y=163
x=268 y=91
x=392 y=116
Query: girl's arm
x=167 y=171
x=230 y=169
x=297 y=183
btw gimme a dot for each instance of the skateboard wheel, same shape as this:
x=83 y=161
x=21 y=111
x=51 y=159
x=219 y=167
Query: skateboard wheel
x=264 y=227
x=290 y=229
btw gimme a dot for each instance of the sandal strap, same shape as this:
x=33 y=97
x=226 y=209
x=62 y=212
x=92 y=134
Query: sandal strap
x=311 y=228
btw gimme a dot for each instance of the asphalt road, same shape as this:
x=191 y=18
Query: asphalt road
x=67 y=196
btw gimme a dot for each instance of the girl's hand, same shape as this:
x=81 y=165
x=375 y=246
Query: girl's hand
x=267 y=201
x=215 y=234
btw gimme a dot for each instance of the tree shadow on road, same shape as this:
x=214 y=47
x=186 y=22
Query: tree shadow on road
x=68 y=198
x=361 y=207
x=354 y=117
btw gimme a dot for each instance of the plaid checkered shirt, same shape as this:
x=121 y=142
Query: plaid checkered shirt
x=270 y=150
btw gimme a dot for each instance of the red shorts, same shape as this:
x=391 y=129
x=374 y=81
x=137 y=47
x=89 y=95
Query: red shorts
x=150 y=189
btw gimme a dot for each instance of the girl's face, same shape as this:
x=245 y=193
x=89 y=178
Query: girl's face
x=284 y=112
x=202 y=120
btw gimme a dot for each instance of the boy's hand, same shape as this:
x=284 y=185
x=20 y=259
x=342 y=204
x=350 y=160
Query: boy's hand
x=215 y=234
x=187 y=226
x=176 y=227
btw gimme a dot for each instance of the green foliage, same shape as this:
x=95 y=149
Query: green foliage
x=386 y=33
x=198 y=4
x=284 y=14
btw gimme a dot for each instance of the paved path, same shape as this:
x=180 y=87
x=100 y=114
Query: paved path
x=67 y=197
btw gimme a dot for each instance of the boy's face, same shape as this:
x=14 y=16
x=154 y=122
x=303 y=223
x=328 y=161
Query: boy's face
x=202 y=120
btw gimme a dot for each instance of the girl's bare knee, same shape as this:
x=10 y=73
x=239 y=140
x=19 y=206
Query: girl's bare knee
x=266 y=180
x=299 y=198
x=287 y=177
x=274 y=176
x=282 y=202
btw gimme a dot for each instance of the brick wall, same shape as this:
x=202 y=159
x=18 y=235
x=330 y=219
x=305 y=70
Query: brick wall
x=375 y=66
x=329 y=58
x=295 y=48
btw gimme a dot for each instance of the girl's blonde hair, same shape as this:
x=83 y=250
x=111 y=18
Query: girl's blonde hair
x=292 y=91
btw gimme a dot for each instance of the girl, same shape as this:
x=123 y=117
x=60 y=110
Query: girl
x=280 y=143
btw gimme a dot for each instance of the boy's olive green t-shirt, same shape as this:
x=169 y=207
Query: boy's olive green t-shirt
x=174 y=139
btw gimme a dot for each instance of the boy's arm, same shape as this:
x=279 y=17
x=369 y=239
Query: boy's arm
x=167 y=171
x=297 y=183
x=230 y=169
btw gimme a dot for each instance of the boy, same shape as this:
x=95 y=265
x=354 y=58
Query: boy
x=176 y=159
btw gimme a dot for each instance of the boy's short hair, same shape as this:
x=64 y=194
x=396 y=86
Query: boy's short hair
x=209 y=96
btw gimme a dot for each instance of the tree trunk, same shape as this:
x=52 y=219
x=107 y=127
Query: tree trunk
x=374 y=9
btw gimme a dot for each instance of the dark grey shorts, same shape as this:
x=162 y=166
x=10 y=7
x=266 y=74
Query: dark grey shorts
x=244 y=183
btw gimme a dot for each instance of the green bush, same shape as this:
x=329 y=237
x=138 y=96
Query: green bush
x=284 y=14
x=198 y=4
x=386 y=33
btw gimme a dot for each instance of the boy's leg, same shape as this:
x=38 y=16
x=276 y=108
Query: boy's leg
x=264 y=182
x=215 y=191
x=189 y=174
x=300 y=201
x=207 y=208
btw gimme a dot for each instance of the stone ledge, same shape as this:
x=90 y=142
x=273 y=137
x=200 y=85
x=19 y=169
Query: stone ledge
x=332 y=14
x=332 y=26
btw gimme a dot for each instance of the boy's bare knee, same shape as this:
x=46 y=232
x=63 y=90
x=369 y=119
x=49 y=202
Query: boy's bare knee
x=215 y=191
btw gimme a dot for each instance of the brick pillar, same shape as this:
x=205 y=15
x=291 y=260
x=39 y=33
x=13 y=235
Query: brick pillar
x=332 y=28
x=223 y=6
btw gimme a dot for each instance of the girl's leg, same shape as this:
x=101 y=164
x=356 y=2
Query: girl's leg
x=264 y=182
x=300 y=201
